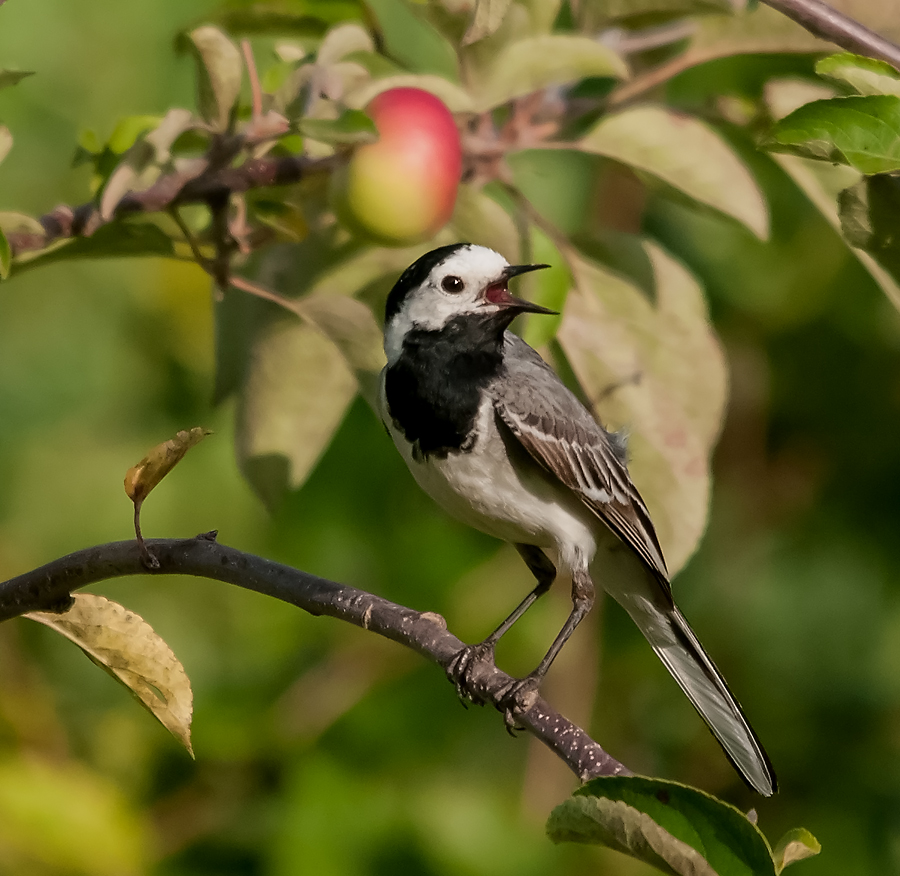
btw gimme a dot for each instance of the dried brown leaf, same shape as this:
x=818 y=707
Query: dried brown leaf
x=125 y=645
x=143 y=477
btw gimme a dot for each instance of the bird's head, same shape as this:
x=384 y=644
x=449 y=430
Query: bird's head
x=452 y=282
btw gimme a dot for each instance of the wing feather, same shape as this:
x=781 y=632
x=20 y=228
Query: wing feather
x=561 y=435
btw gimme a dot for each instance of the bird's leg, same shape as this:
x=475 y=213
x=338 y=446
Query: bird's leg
x=462 y=668
x=518 y=697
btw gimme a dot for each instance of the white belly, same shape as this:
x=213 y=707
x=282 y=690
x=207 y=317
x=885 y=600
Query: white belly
x=498 y=488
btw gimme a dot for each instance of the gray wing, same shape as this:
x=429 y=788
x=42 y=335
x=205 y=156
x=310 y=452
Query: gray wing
x=559 y=432
x=564 y=438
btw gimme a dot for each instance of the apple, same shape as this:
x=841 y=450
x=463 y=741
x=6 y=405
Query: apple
x=402 y=188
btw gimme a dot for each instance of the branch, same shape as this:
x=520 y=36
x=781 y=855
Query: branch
x=816 y=17
x=49 y=587
x=829 y=24
x=172 y=191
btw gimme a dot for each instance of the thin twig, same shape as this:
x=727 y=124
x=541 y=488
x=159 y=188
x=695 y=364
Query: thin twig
x=816 y=17
x=171 y=190
x=148 y=559
x=261 y=292
x=253 y=76
x=829 y=24
x=49 y=587
x=190 y=239
x=653 y=78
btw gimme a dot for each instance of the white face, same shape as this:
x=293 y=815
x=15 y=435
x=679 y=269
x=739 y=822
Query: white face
x=439 y=298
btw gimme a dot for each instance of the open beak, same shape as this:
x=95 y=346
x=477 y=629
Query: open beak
x=498 y=292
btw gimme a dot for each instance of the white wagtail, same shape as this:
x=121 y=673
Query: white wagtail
x=491 y=433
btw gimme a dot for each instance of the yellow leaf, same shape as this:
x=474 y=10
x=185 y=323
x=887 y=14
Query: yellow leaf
x=143 y=477
x=487 y=18
x=657 y=370
x=686 y=154
x=297 y=388
x=530 y=64
x=125 y=645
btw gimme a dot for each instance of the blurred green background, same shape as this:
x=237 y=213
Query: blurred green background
x=321 y=749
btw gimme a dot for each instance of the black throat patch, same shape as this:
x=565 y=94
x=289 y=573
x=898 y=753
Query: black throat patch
x=434 y=389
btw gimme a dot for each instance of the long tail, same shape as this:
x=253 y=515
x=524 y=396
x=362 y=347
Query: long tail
x=679 y=649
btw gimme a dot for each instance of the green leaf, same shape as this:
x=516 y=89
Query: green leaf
x=351 y=327
x=560 y=183
x=456 y=98
x=796 y=845
x=634 y=358
x=765 y=30
x=597 y=13
x=219 y=71
x=13 y=77
x=20 y=223
x=488 y=16
x=350 y=128
x=870 y=216
x=549 y=288
x=479 y=218
x=294 y=396
x=863 y=132
x=343 y=40
x=621 y=252
x=5 y=256
x=128 y=130
x=538 y=62
x=860 y=74
x=330 y=352
x=293 y=18
x=237 y=315
x=783 y=96
x=412 y=41
x=121 y=238
x=822 y=183
x=685 y=154
x=673 y=827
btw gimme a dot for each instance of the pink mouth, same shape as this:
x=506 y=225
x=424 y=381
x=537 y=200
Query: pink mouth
x=498 y=293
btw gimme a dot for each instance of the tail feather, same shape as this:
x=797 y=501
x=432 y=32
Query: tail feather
x=679 y=649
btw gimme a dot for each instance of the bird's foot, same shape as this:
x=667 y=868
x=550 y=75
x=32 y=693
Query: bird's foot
x=465 y=668
x=515 y=699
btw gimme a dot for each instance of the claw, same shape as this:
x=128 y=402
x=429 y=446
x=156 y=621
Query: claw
x=516 y=699
x=463 y=670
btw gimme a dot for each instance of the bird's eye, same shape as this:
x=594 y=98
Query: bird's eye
x=452 y=284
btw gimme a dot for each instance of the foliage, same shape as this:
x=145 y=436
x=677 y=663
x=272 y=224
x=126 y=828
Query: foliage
x=639 y=203
x=858 y=128
x=675 y=828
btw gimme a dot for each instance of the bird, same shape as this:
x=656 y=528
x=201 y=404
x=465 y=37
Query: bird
x=494 y=436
